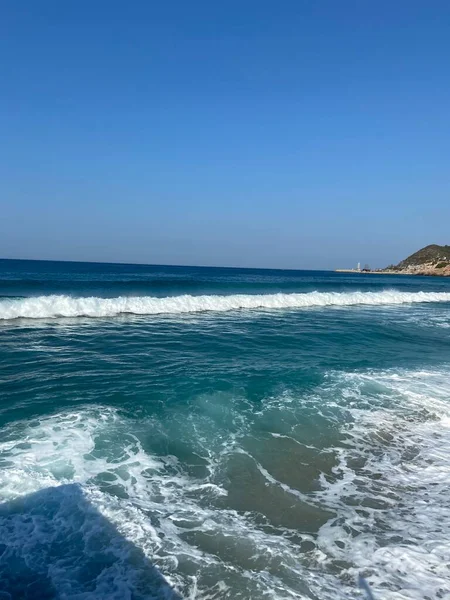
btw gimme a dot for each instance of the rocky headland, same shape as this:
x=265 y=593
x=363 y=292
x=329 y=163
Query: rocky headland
x=431 y=260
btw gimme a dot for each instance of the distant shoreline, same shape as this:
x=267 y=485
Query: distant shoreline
x=416 y=274
x=372 y=272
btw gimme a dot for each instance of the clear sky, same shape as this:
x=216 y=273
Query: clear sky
x=298 y=134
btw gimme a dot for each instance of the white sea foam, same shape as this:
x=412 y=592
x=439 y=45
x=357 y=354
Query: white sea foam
x=47 y=307
x=387 y=493
x=390 y=489
x=94 y=449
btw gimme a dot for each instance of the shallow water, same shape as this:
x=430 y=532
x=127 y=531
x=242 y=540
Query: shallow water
x=222 y=433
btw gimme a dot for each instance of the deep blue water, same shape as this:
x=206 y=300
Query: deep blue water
x=233 y=433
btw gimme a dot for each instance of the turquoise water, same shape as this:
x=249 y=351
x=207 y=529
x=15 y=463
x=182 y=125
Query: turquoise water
x=175 y=432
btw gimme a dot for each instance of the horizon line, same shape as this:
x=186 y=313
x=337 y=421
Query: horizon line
x=132 y=264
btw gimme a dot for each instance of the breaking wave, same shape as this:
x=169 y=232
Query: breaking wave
x=54 y=306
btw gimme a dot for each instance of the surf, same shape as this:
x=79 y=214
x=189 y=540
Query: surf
x=56 y=306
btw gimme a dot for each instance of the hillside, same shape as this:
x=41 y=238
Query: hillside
x=431 y=260
x=432 y=254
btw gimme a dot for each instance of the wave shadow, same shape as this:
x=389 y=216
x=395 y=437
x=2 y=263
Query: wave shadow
x=55 y=544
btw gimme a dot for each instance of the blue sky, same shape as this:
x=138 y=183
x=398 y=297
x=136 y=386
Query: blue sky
x=297 y=134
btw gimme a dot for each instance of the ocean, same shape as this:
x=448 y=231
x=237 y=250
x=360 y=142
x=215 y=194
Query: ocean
x=215 y=433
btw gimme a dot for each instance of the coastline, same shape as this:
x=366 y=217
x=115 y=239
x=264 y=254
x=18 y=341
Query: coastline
x=368 y=272
x=431 y=261
x=424 y=273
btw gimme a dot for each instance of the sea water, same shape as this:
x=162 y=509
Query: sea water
x=178 y=432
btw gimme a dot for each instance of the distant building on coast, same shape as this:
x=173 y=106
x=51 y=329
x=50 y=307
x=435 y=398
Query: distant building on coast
x=357 y=270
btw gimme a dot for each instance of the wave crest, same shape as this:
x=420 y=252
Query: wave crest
x=54 y=306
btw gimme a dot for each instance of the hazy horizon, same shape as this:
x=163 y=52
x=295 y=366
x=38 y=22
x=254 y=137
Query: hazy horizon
x=141 y=264
x=192 y=265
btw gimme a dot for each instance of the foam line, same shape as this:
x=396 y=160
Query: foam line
x=45 y=307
